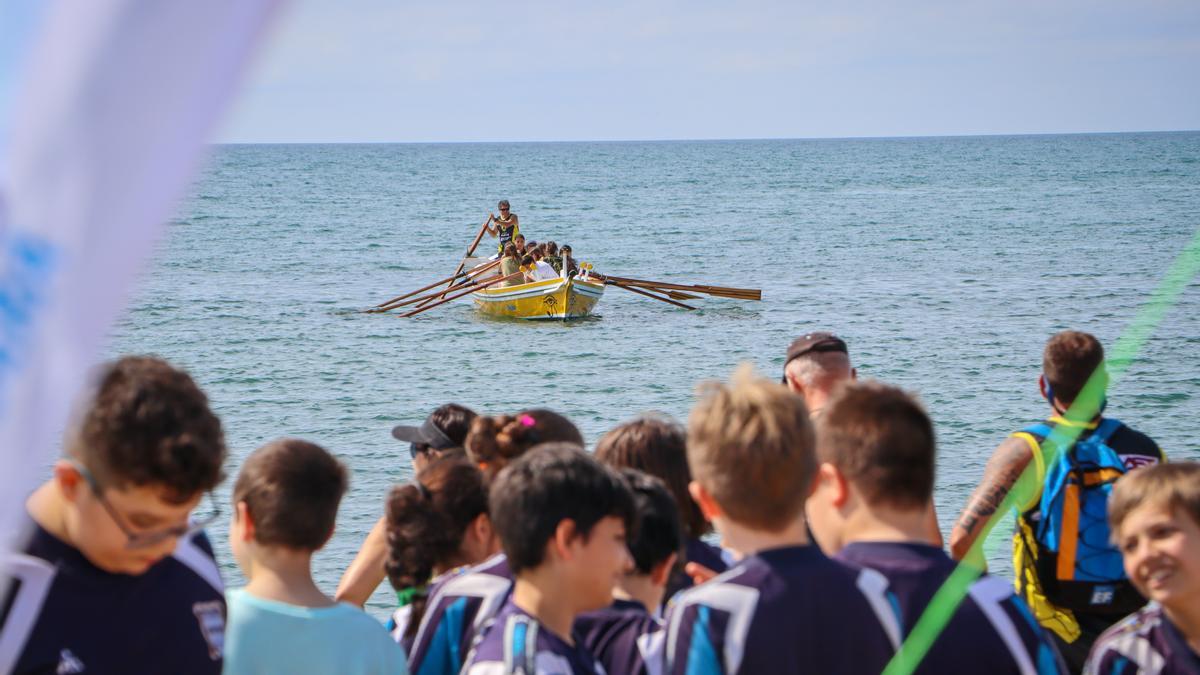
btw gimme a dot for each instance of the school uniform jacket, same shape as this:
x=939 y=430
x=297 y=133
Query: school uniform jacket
x=62 y=614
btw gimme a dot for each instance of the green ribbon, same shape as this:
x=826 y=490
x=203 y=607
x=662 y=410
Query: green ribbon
x=407 y=595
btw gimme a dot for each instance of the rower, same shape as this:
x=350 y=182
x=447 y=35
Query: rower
x=541 y=269
x=568 y=262
x=506 y=225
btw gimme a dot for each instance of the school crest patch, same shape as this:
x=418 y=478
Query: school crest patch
x=211 y=617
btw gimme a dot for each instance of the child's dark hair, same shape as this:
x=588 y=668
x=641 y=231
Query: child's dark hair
x=659 y=533
x=292 y=489
x=551 y=248
x=553 y=483
x=657 y=446
x=495 y=441
x=454 y=420
x=426 y=520
x=510 y=250
x=149 y=424
x=526 y=260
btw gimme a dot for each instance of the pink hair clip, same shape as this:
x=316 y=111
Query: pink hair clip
x=526 y=420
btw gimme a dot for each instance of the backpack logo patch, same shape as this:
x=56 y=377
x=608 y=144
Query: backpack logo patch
x=211 y=617
x=1103 y=595
x=68 y=663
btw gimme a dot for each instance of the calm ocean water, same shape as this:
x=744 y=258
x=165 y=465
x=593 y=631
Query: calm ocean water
x=944 y=262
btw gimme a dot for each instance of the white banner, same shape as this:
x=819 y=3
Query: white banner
x=107 y=119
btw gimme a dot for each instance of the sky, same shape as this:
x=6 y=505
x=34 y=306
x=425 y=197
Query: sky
x=417 y=71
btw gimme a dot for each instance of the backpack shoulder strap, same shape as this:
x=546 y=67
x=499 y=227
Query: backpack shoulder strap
x=1033 y=436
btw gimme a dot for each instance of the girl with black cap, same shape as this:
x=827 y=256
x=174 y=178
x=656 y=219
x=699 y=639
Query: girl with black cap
x=443 y=433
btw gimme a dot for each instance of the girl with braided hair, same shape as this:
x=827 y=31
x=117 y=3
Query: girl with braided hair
x=461 y=605
x=493 y=442
x=437 y=526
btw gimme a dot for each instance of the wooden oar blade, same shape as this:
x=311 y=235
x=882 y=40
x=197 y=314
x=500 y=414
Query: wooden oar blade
x=663 y=286
x=649 y=295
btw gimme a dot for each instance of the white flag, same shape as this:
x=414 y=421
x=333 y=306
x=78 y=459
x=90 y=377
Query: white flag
x=106 y=119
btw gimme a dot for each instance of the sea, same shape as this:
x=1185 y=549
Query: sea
x=945 y=264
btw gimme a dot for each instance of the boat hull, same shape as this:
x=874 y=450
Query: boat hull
x=545 y=300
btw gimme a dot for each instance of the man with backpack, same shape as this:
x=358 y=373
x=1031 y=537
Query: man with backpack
x=1064 y=562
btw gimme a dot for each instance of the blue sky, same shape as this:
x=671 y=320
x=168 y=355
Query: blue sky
x=372 y=71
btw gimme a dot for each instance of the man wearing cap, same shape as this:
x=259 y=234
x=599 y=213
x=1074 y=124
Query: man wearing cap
x=443 y=432
x=816 y=363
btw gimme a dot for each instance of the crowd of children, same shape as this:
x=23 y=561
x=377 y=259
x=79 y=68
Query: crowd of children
x=785 y=529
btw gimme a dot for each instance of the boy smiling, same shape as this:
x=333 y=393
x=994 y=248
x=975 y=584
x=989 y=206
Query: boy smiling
x=562 y=518
x=1154 y=514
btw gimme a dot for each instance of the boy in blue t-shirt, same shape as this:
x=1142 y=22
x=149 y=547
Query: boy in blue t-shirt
x=562 y=519
x=871 y=508
x=627 y=637
x=1154 y=514
x=285 y=504
x=117 y=576
x=784 y=608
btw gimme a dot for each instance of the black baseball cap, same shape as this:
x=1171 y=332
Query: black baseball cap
x=426 y=434
x=819 y=341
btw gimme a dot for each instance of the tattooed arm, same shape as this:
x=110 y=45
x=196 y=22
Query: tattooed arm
x=1004 y=468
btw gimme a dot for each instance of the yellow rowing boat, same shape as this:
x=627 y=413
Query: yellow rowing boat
x=559 y=298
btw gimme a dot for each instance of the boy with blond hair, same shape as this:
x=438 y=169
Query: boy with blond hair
x=285 y=504
x=751 y=451
x=1154 y=514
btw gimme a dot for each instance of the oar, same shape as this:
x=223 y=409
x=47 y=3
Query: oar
x=668 y=289
x=385 y=306
x=648 y=295
x=471 y=250
x=736 y=293
x=739 y=293
x=466 y=279
x=678 y=295
x=490 y=281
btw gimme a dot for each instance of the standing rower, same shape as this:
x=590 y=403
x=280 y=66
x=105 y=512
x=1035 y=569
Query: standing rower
x=506 y=225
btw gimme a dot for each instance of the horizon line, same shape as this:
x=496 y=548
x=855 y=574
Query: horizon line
x=721 y=140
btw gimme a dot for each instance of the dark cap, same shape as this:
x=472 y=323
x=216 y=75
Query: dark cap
x=426 y=434
x=814 y=342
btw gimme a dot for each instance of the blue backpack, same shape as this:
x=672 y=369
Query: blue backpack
x=1078 y=565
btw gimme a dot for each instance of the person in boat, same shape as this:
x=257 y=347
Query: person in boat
x=552 y=258
x=506 y=225
x=510 y=264
x=568 y=262
x=519 y=242
x=541 y=269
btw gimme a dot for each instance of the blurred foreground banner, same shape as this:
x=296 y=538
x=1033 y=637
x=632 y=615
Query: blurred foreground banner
x=107 y=107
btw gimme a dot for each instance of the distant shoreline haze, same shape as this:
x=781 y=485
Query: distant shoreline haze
x=720 y=140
